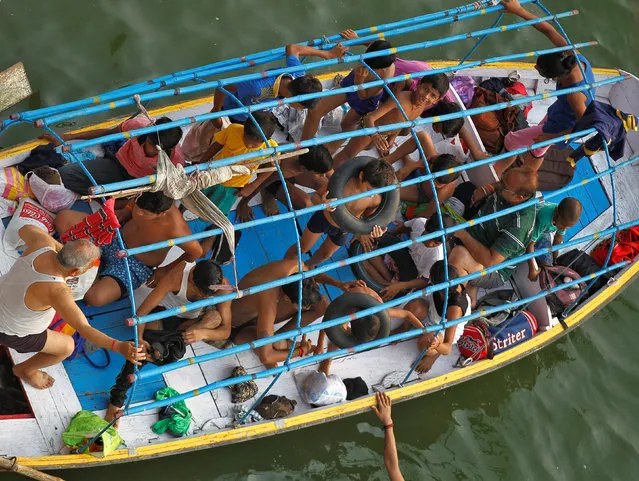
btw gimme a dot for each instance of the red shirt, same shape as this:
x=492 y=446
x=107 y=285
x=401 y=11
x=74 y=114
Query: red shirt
x=132 y=157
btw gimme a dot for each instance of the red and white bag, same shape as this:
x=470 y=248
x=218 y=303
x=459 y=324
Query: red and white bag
x=29 y=212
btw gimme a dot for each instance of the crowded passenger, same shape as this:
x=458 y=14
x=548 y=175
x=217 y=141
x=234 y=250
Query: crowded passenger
x=411 y=106
x=33 y=291
x=138 y=157
x=251 y=92
x=565 y=68
x=185 y=283
x=497 y=240
x=316 y=162
x=376 y=173
x=238 y=139
x=254 y=316
x=150 y=218
x=551 y=219
x=362 y=101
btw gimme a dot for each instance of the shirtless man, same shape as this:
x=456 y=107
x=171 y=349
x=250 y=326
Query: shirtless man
x=377 y=173
x=255 y=316
x=188 y=282
x=151 y=218
x=428 y=92
x=33 y=291
x=312 y=165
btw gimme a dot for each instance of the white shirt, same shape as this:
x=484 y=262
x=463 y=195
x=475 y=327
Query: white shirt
x=444 y=145
x=423 y=257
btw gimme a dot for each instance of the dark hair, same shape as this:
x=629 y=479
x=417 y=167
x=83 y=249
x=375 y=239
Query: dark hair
x=155 y=202
x=167 y=139
x=306 y=84
x=266 y=121
x=445 y=162
x=432 y=225
x=439 y=82
x=449 y=128
x=205 y=274
x=310 y=292
x=379 y=173
x=318 y=159
x=383 y=61
x=438 y=275
x=366 y=328
x=569 y=210
x=555 y=65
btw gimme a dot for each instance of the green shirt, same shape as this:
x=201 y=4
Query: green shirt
x=543 y=223
x=508 y=235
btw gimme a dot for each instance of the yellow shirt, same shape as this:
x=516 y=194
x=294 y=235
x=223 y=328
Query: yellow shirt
x=232 y=138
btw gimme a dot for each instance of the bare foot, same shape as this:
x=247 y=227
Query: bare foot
x=194 y=335
x=38 y=379
x=113 y=413
x=269 y=204
x=426 y=364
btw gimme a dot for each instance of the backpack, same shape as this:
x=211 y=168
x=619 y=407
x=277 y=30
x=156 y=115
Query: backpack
x=585 y=265
x=555 y=172
x=626 y=247
x=480 y=341
x=493 y=127
x=552 y=276
x=494 y=299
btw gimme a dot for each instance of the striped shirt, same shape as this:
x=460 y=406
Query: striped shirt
x=508 y=235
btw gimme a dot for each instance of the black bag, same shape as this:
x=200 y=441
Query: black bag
x=494 y=299
x=584 y=265
x=556 y=172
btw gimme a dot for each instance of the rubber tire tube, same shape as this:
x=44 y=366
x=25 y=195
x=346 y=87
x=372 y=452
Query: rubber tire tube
x=384 y=214
x=341 y=306
x=358 y=269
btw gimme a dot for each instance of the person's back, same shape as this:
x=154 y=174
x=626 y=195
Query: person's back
x=22 y=312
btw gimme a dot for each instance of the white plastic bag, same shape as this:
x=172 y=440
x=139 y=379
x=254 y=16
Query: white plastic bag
x=53 y=197
x=29 y=212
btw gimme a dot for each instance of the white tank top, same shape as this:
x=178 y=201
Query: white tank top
x=176 y=300
x=16 y=319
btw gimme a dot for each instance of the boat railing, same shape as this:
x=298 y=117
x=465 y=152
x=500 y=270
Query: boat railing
x=155 y=89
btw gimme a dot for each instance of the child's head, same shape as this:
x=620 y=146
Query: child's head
x=378 y=173
x=306 y=84
x=383 y=61
x=318 y=159
x=167 y=139
x=438 y=275
x=444 y=162
x=448 y=128
x=206 y=274
x=252 y=136
x=310 y=293
x=152 y=204
x=432 y=225
x=432 y=88
x=555 y=65
x=419 y=308
x=366 y=328
x=567 y=213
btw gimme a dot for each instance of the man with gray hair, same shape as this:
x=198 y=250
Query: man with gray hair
x=33 y=291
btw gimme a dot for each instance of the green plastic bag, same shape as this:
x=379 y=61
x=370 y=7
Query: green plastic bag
x=174 y=418
x=84 y=426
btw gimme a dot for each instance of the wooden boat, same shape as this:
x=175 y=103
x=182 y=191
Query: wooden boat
x=35 y=437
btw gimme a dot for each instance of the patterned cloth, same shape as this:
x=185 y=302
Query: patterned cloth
x=99 y=227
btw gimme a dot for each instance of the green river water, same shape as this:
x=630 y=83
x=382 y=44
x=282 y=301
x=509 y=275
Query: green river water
x=568 y=412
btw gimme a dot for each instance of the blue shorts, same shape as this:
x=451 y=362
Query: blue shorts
x=544 y=242
x=113 y=266
x=361 y=106
x=319 y=224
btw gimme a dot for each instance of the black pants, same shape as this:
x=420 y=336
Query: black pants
x=104 y=170
x=405 y=264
